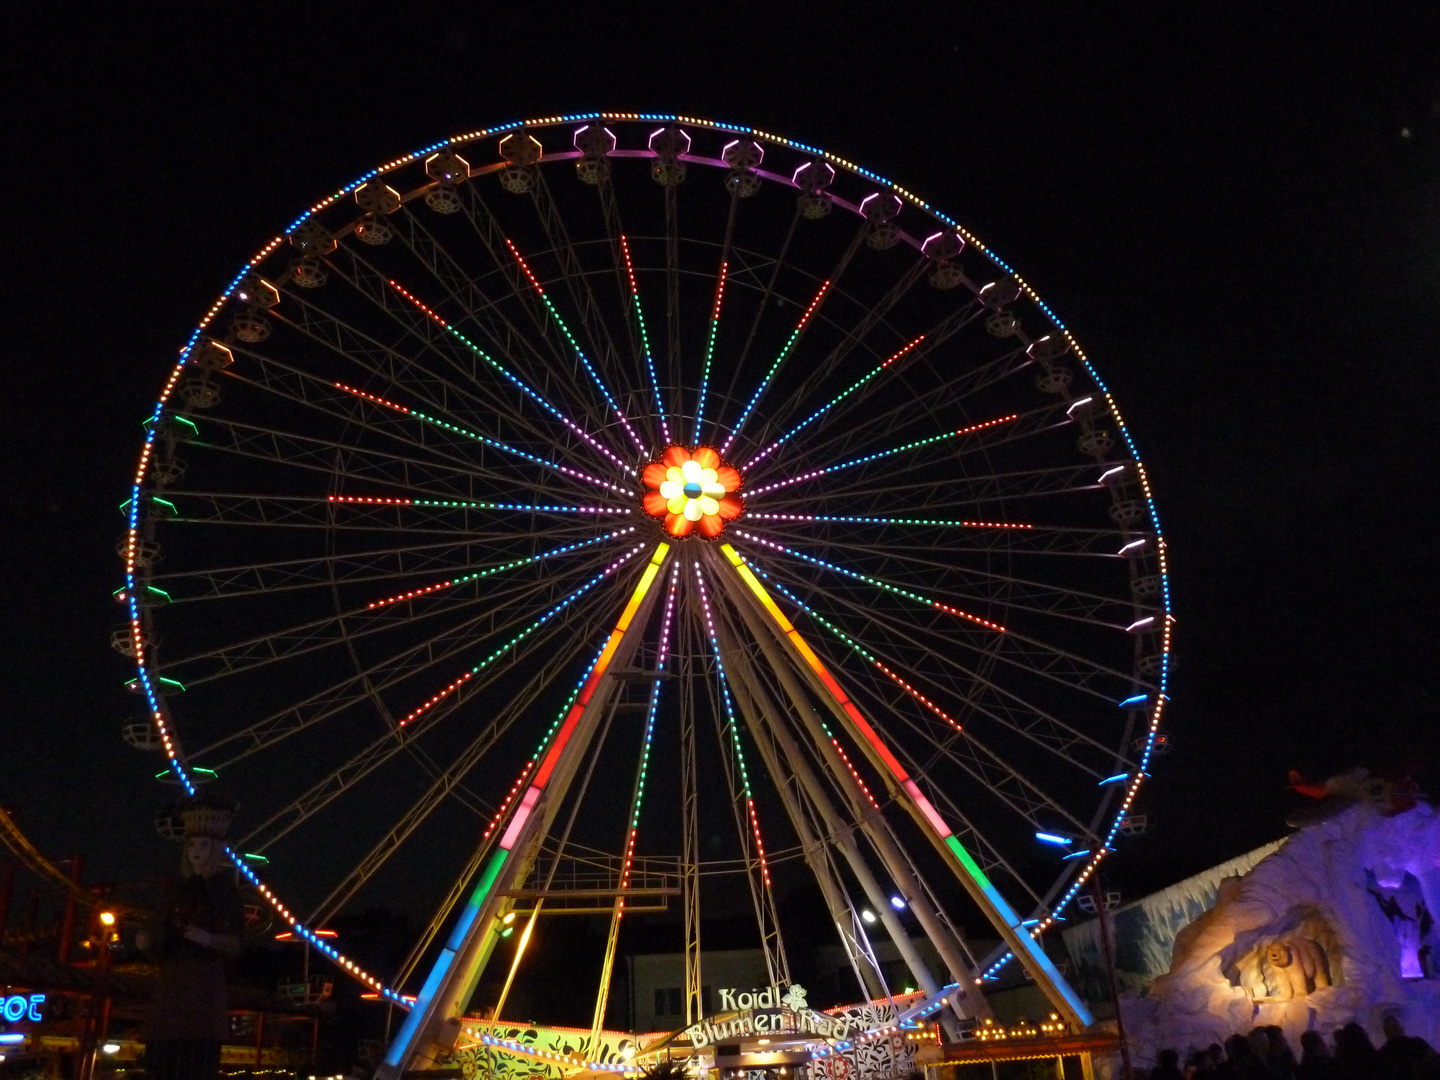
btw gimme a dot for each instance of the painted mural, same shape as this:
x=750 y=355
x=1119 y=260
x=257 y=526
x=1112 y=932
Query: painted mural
x=884 y=1058
x=561 y=1045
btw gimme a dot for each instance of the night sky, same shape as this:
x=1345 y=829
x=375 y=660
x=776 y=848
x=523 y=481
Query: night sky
x=1237 y=213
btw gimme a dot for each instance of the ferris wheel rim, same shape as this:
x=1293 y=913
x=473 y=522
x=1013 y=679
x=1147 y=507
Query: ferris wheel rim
x=155 y=700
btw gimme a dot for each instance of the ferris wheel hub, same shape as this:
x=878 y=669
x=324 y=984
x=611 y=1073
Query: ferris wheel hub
x=692 y=491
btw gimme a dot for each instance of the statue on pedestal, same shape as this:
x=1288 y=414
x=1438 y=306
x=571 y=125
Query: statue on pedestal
x=199 y=933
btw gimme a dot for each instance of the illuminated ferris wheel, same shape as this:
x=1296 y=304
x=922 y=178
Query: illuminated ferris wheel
x=615 y=512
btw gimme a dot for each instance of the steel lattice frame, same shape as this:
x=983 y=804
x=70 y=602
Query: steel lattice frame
x=390 y=501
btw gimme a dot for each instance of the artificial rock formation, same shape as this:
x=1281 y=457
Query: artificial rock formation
x=1334 y=926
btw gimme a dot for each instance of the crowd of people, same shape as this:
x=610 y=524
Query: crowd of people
x=1265 y=1054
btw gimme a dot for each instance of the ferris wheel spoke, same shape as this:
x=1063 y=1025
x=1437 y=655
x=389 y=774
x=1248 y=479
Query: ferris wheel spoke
x=438 y=470
x=585 y=436
x=534 y=509
x=459 y=386
x=713 y=332
x=614 y=228
x=975 y=586
x=488 y=313
x=785 y=351
x=920 y=350
x=575 y=346
x=386 y=673
x=789 y=434
x=917 y=402
x=742 y=800
x=766 y=295
x=886 y=586
x=336 y=400
x=373 y=514
x=366 y=762
x=644 y=343
x=465 y=676
x=421 y=321
x=398 y=378
x=400 y=423
x=358 y=622
x=874 y=315
x=577 y=285
x=1011 y=538
x=490 y=232
x=454 y=430
x=1006 y=422
x=357 y=347
x=826 y=287
x=1005 y=706
x=674 y=356
x=938 y=494
x=432 y=437
x=316 y=571
x=981 y=439
x=637 y=796
x=496 y=726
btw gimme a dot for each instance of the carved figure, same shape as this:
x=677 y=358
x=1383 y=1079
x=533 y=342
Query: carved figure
x=1299 y=966
x=200 y=932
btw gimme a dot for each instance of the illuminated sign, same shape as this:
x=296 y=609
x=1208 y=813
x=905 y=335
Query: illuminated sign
x=765 y=1012
x=770 y=998
x=21 y=1007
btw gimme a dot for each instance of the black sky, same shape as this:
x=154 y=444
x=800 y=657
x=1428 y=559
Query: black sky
x=1236 y=210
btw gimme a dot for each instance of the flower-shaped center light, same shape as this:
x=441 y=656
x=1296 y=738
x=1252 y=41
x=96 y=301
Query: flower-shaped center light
x=692 y=490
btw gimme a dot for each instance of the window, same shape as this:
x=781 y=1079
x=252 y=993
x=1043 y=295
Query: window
x=668 y=1001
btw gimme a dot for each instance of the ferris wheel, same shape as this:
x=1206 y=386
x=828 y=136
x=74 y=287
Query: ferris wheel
x=618 y=512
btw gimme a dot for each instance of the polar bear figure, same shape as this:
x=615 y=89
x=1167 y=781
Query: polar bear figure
x=1298 y=967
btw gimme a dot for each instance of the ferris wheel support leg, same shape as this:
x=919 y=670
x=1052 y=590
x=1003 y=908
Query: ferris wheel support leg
x=755 y=703
x=877 y=832
x=1001 y=915
x=452 y=980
